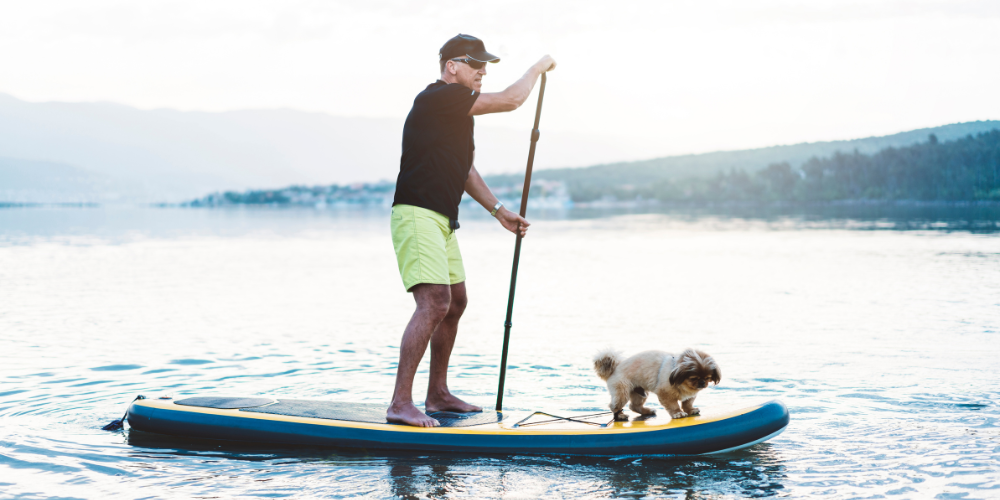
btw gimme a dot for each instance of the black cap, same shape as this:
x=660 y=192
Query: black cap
x=466 y=45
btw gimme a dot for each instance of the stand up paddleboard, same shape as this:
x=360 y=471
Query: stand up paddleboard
x=360 y=425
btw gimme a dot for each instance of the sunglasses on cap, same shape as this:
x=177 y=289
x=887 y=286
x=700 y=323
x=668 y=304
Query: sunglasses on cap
x=474 y=64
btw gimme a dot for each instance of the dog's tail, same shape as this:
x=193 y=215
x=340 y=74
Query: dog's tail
x=605 y=362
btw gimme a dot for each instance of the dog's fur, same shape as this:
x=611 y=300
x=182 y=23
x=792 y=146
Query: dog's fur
x=675 y=380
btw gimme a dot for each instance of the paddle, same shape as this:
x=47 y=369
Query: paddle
x=517 y=245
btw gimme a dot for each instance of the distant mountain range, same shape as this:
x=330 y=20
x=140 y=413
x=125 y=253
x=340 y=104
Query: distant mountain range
x=109 y=152
x=105 y=152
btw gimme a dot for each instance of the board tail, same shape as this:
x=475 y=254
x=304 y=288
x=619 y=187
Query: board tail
x=605 y=363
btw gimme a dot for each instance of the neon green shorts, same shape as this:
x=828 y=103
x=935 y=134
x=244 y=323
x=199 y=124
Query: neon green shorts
x=426 y=247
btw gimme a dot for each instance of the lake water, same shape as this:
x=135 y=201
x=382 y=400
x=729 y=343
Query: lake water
x=878 y=330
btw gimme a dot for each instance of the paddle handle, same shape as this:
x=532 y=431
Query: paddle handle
x=517 y=245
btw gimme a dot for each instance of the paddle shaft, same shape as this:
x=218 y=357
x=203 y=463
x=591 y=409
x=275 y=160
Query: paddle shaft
x=517 y=245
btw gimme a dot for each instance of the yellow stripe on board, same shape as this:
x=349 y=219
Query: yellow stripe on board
x=556 y=428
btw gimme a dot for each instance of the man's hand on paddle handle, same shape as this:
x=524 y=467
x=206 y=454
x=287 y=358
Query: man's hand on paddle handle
x=546 y=63
x=512 y=222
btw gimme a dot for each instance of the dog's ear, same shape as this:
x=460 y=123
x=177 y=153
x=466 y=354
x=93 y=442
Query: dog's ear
x=716 y=373
x=675 y=375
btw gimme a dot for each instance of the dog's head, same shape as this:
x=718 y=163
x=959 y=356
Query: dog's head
x=695 y=369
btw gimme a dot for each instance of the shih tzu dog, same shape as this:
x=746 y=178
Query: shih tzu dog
x=675 y=379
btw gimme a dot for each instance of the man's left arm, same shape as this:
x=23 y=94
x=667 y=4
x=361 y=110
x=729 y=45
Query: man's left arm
x=479 y=191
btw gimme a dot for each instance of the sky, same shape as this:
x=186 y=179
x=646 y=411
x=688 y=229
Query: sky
x=659 y=77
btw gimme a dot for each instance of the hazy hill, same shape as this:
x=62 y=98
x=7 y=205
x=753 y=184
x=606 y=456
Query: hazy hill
x=171 y=155
x=26 y=181
x=185 y=153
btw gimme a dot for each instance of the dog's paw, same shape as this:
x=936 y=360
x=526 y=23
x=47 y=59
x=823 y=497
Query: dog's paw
x=642 y=410
x=621 y=417
x=679 y=414
x=694 y=411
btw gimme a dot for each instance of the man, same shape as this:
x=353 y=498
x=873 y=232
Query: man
x=436 y=167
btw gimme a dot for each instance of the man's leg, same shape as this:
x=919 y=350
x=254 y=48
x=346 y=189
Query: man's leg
x=433 y=302
x=439 y=398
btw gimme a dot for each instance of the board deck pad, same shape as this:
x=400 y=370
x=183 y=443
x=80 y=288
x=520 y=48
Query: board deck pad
x=366 y=412
x=225 y=403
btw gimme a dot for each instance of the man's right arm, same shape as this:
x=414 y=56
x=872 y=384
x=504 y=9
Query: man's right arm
x=515 y=95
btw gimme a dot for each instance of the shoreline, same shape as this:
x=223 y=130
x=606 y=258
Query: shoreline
x=543 y=204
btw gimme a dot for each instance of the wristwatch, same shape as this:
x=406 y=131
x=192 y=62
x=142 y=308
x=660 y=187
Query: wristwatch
x=495 y=208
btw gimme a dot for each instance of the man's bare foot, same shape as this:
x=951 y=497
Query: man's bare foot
x=406 y=413
x=448 y=402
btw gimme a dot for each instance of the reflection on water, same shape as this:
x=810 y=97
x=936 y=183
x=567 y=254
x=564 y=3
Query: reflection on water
x=753 y=473
x=881 y=342
x=16 y=223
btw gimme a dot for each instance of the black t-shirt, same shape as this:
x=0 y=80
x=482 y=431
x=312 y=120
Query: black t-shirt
x=437 y=148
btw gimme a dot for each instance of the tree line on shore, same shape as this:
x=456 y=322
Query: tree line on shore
x=965 y=169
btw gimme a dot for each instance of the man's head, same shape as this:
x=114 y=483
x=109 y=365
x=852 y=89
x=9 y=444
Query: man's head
x=463 y=60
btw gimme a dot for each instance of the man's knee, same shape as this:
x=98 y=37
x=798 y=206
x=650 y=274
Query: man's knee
x=458 y=300
x=433 y=300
